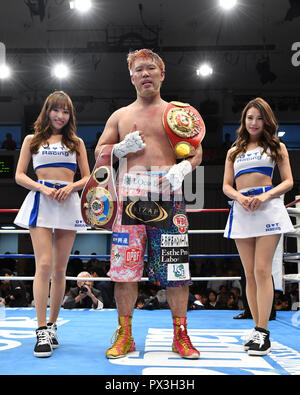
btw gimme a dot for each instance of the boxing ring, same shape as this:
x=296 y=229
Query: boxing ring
x=84 y=334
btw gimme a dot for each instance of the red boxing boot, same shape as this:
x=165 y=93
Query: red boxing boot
x=181 y=341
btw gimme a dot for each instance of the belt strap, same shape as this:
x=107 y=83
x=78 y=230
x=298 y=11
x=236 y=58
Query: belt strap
x=57 y=185
x=257 y=191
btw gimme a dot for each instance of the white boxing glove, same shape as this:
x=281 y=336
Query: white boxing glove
x=177 y=173
x=132 y=142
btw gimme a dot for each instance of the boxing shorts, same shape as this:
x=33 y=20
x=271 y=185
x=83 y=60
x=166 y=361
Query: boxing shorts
x=145 y=220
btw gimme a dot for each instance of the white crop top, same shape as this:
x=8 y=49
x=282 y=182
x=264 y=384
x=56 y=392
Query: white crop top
x=54 y=155
x=253 y=161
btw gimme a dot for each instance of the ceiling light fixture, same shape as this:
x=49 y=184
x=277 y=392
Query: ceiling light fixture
x=81 y=5
x=61 y=71
x=228 y=4
x=5 y=72
x=205 y=70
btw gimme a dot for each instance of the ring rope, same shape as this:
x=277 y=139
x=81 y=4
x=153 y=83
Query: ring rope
x=292 y=203
x=28 y=278
x=287 y=277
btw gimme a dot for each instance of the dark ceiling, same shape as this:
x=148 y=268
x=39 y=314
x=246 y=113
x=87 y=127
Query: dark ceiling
x=250 y=47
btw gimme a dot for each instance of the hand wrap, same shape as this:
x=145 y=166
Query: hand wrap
x=132 y=143
x=177 y=173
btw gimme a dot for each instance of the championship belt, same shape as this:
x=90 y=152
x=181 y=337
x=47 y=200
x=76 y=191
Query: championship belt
x=184 y=127
x=99 y=203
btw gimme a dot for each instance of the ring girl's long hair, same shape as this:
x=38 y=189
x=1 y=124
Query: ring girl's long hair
x=268 y=137
x=42 y=126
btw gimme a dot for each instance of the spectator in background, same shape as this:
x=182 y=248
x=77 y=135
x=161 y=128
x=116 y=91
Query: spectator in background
x=151 y=302
x=237 y=297
x=105 y=287
x=8 y=262
x=231 y=302
x=13 y=291
x=9 y=144
x=194 y=302
x=283 y=303
x=212 y=300
x=93 y=262
x=140 y=302
x=84 y=295
x=203 y=297
x=294 y=296
x=75 y=265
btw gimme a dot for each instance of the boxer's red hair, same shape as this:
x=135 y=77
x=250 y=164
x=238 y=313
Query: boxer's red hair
x=145 y=53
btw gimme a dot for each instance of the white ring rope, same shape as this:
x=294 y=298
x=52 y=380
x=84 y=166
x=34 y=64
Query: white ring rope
x=23 y=278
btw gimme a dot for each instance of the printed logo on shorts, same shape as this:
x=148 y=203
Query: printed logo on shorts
x=181 y=221
x=141 y=182
x=174 y=254
x=132 y=256
x=178 y=272
x=168 y=240
x=272 y=227
x=140 y=212
x=121 y=239
x=116 y=256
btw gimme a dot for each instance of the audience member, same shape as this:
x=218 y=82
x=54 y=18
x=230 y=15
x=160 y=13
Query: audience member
x=8 y=263
x=237 y=297
x=84 y=295
x=105 y=287
x=75 y=265
x=9 y=144
x=194 y=303
x=283 y=303
x=212 y=300
x=13 y=291
x=140 y=302
x=231 y=303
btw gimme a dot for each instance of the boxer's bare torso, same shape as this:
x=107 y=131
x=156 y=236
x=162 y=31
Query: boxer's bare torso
x=145 y=115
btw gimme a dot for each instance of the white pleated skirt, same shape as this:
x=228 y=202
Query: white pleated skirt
x=271 y=218
x=38 y=210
